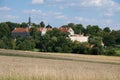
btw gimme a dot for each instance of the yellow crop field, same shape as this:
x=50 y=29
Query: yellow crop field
x=26 y=65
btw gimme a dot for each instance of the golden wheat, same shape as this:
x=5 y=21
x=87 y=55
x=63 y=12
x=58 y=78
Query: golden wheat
x=24 y=68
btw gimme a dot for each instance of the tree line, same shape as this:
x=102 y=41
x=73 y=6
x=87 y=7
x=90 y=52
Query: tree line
x=57 y=41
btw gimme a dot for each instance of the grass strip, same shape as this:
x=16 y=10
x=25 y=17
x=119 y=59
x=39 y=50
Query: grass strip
x=54 y=58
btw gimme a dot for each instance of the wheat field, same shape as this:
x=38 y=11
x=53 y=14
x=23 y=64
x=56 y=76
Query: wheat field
x=27 y=68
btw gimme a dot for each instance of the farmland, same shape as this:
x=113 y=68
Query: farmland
x=26 y=65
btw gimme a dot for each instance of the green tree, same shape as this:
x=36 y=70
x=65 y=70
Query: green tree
x=95 y=40
x=93 y=30
x=116 y=34
x=23 y=25
x=97 y=48
x=43 y=43
x=78 y=29
x=4 y=30
x=107 y=29
x=80 y=48
x=71 y=24
x=42 y=24
x=2 y=44
x=96 y=51
x=34 y=33
x=7 y=43
x=12 y=25
x=26 y=45
x=108 y=39
x=55 y=41
x=35 y=25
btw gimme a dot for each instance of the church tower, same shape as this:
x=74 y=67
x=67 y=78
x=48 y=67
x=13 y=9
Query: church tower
x=29 y=22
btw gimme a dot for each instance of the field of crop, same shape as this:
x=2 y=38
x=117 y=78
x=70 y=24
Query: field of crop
x=25 y=65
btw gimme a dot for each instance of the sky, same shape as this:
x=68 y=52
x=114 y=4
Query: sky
x=104 y=13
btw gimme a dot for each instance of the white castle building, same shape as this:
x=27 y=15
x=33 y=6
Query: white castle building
x=80 y=38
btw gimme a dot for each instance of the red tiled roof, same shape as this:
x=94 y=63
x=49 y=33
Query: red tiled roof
x=21 y=30
x=64 y=29
x=38 y=29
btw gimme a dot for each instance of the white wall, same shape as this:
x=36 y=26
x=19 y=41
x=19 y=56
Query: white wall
x=79 y=38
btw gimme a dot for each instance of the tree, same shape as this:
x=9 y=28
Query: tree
x=4 y=30
x=96 y=51
x=42 y=24
x=55 y=41
x=23 y=25
x=107 y=29
x=43 y=43
x=26 y=45
x=78 y=29
x=2 y=44
x=116 y=34
x=7 y=43
x=71 y=24
x=93 y=30
x=80 y=48
x=97 y=48
x=64 y=26
x=34 y=33
x=12 y=25
x=109 y=40
x=95 y=40
x=35 y=25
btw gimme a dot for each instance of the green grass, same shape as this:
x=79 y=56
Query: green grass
x=117 y=50
x=36 y=50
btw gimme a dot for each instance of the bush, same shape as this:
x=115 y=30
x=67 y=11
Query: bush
x=26 y=45
x=97 y=51
x=110 y=52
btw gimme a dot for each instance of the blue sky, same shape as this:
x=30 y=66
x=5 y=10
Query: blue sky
x=59 y=12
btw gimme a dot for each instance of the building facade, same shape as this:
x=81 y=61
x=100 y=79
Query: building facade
x=25 y=32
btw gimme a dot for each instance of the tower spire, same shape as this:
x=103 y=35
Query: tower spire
x=29 y=22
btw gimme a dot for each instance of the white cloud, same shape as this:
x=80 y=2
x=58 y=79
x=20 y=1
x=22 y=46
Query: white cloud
x=112 y=9
x=11 y=17
x=79 y=19
x=37 y=1
x=8 y=17
x=91 y=3
x=97 y=3
x=58 y=0
x=61 y=17
x=109 y=13
x=107 y=7
x=108 y=21
x=35 y=12
x=47 y=14
x=4 y=8
x=43 y=14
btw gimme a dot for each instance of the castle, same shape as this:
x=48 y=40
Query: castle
x=25 y=32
